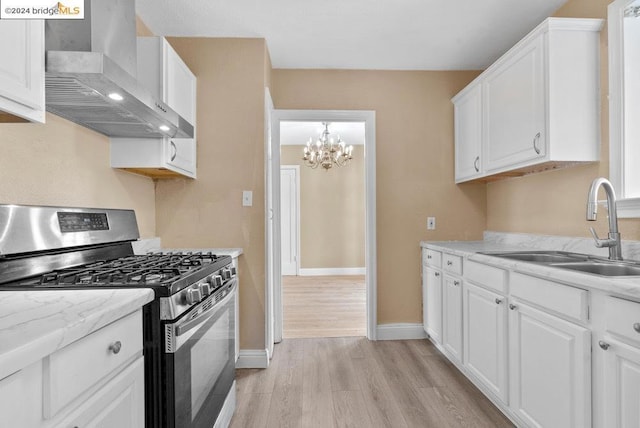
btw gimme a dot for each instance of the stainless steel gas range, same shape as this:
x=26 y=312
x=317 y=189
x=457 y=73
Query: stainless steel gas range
x=189 y=329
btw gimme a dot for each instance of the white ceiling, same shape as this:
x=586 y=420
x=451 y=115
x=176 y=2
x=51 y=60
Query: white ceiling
x=298 y=133
x=359 y=34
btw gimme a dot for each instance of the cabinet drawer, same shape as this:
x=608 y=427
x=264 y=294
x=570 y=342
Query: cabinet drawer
x=487 y=276
x=75 y=368
x=623 y=318
x=565 y=300
x=452 y=263
x=432 y=257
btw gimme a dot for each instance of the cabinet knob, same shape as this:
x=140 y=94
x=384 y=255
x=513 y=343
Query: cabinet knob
x=437 y=274
x=512 y=306
x=636 y=327
x=604 y=345
x=115 y=347
x=456 y=282
x=535 y=143
x=429 y=256
x=498 y=301
x=449 y=262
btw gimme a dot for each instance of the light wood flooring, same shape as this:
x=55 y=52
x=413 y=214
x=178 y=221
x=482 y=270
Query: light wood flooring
x=352 y=382
x=324 y=306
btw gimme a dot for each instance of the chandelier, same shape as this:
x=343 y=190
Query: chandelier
x=326 y=151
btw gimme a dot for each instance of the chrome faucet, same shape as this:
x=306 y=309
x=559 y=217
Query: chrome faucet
x=613 y=241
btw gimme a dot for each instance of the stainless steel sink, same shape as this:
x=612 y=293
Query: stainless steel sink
x=602 y=268
x=542 y=256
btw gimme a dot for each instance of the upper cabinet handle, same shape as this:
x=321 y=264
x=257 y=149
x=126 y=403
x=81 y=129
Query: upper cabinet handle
x=476 y=164
x=175 y=151
x=535 y=143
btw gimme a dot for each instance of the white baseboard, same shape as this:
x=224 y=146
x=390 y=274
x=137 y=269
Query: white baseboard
x=253 y=359
x=332 y=271
x=400 y=331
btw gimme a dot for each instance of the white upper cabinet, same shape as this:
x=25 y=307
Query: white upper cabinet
x=22 y=70
x=162 y=70
x=539 y=105
x=468 y=132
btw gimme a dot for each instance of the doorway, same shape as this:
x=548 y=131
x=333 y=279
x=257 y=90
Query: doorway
x=274 y=316
x=290 y=219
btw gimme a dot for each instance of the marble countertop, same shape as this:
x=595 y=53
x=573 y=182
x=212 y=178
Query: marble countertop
x=627 y=287
x=34 y=324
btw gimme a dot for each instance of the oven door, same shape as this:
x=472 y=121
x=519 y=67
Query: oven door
x=199 y=362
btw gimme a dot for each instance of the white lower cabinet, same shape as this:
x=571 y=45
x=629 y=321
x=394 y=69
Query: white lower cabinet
x=485 y=338
x=550 y=369
x=622 y=384
x=452 y=317
x=97 y=381
x=432 y=303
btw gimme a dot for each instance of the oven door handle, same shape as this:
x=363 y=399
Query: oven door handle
x=182 y=328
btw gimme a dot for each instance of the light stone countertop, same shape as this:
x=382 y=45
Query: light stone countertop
x=626 y=287
x=34 y=324
x=143 y=246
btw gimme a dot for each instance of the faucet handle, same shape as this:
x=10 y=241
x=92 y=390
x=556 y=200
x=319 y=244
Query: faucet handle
x=600 y=243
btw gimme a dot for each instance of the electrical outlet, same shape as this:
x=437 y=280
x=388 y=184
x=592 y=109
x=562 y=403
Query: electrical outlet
x=431 y=223
x=247 y=198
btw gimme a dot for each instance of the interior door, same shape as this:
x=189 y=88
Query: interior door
x=289 y=217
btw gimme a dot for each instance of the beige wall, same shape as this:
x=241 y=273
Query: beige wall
x=230 y=130
x=332 y=211
x=61 y=163
x=414 y=149
x=555 y=202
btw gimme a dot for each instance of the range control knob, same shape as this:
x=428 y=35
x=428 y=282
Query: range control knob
x=234 y=271
x=226 y=273
x=192 y=296
x=215 y=281
x=205 y=289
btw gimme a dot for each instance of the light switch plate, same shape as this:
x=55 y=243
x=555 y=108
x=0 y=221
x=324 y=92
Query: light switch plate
x=431 y=223
x=247 y=198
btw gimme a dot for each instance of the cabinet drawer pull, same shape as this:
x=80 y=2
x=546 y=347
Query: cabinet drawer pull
x=476 y=164
x=175 y=151
x=512 y=306
x=429 y=257
x=115 y=347
x=604 y=345
x=636 y=327
x=456 y=282
x=535 y=143
x=437 y=274
x=498 y=301
x=449 y=262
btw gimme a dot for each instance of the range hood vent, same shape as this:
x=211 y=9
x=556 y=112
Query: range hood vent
x=92 y=61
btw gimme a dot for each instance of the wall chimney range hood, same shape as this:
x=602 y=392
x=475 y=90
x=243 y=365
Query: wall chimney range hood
x=91 y=75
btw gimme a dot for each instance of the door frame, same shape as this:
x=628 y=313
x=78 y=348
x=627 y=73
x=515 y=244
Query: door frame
x=295 y=168
x=274 y=290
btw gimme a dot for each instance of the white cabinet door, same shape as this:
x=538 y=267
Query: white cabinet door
x=514 y=105
x=485 y=338
x=550 y=369
x=452 y=317
x=120 y=403
x=468 y=133
x=22 y=68
x=432 y=303
x=181 y=154
x=622 y=385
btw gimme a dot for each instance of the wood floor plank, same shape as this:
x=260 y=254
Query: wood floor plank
x=317 y=398
x=251 y=411
x=341 y=370
x=351 y=410
x=285 y=409
x=324 y=306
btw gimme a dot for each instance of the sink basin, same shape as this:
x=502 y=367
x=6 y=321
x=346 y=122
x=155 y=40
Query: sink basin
x=542 y=256
x=602 y=268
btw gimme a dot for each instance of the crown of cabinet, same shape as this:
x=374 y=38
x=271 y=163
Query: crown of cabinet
x=536 y=108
